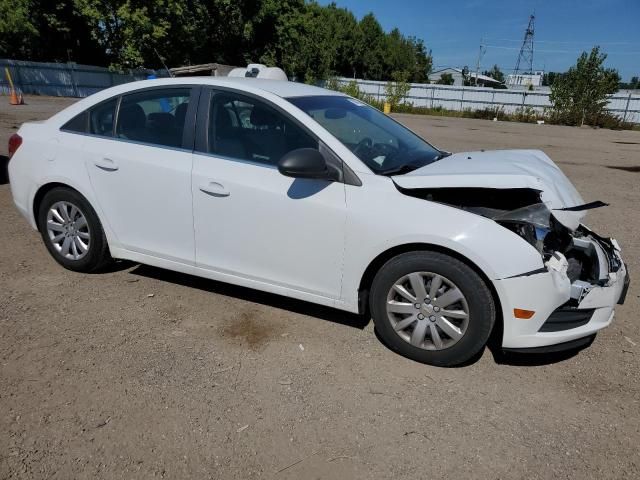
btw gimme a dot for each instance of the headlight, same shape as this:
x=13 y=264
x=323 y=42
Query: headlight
x=532 y=223
x=532 y=234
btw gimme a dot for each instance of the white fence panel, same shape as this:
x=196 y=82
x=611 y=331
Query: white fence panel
x=624 y=104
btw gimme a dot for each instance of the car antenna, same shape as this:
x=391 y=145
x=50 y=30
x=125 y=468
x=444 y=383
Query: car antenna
x=163 y=64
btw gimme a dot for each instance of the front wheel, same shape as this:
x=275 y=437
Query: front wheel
x=432 y=308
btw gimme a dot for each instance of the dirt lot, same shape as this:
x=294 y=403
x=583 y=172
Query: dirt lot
x=141 y=373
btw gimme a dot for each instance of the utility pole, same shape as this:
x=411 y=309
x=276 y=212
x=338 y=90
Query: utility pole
x=526 y=50
x=481 y=52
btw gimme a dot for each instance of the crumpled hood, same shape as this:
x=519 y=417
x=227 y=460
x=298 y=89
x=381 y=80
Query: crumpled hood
x=502 y=169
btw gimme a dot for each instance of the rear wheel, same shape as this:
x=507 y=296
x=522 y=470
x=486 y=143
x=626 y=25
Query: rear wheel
x=72 y=231
x=432 y=308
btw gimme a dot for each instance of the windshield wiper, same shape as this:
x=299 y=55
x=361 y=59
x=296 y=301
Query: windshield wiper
x=406 y=168
x=442 y=155
x=410 y=167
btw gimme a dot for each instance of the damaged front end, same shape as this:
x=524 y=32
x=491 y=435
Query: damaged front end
x=586 y=269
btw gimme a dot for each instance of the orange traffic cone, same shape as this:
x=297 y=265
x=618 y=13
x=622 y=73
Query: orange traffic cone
x=13 y=98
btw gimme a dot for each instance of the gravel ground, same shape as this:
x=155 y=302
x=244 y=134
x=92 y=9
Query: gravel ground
x=143 y=373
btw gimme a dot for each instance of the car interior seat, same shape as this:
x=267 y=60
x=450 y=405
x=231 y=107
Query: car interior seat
x=132 y=122
x=227 y=138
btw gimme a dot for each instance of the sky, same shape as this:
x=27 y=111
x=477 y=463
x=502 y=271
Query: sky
x=453 y=30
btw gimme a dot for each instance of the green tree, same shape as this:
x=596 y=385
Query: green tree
x=423 y=61
x=17 y=31
x=580 y=95
x=344 y=35
x=398 y=89
x=129 y=31
x=46 y=30
x=495 y=73
x=549 y=77
x=405 y=54
x=445 y=79
x=274 y=34
x=632 y=85
x=371 y=48
x=309 y=41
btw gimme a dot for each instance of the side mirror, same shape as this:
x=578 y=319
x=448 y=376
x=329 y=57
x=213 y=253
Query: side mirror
x=305 y=163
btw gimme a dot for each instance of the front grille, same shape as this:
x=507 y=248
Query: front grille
x=566 y=318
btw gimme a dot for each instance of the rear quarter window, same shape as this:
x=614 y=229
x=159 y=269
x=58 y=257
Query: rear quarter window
x=77 y=124
x=97 y=120
x=102 y=117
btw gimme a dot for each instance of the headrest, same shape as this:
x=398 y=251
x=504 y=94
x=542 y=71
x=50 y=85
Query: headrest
x=261 y=117
x=222 y=118
x=161 y=121
x=181 y=113
x=131 y=117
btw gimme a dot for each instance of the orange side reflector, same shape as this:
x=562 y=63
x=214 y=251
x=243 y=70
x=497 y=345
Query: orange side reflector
x=523 y=314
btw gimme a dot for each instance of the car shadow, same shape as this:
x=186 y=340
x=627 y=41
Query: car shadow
x=515 y=359
x=256 y=296
x=334 y=315
x=521 y=359
x=116 y=266
x=4 y=169
x=302 y=188
x=533 y=359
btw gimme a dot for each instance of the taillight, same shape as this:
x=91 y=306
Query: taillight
x=15 y=141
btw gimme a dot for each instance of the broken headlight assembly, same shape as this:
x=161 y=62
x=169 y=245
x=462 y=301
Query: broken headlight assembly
x=534 y=223
x=588 y=258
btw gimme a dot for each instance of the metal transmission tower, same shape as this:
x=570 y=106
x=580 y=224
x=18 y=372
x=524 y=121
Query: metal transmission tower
x=526 y=51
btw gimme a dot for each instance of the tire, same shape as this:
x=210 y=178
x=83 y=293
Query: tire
x=65 y=237
x=409 y=329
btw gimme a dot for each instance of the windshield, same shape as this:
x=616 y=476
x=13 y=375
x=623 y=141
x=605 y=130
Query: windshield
x=384 y=145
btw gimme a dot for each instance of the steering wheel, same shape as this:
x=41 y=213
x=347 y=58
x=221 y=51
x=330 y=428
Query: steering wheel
x=366 y=142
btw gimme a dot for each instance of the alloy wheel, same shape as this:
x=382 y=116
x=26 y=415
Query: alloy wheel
x=427 y=310
x=68 y=230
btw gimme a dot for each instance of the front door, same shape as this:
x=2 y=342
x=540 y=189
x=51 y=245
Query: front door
x=251 y=221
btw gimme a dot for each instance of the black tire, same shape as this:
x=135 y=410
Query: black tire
x=97 y=255
x=481 y=308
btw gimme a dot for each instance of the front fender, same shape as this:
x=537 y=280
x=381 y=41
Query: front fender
x=383 y=218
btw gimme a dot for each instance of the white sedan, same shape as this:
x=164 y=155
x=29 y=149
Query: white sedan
x=312 y=194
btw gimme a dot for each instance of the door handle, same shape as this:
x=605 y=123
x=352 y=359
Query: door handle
x=214 y=189
x=106 y=164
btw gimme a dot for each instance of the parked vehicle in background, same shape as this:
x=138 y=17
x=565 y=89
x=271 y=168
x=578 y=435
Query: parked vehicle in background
x=312 y=194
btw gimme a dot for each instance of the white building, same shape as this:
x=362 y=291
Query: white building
x=525 y=80
x=458 y=78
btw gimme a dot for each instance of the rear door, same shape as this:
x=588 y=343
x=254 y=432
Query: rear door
x=251 y=221
x=139 y=158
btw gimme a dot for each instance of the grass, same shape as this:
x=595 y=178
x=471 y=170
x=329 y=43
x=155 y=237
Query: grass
x=522 y=115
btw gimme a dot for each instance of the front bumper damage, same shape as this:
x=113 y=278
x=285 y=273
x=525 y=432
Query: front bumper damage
x=573 y=297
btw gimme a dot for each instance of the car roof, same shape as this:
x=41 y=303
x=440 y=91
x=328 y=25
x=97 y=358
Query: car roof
x=281 y=88
x=278 y=88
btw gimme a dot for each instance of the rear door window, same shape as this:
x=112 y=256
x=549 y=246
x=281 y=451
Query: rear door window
x=154 y=116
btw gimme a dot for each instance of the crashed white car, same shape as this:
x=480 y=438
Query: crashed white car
x=309 y=193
